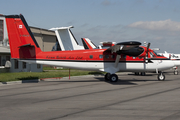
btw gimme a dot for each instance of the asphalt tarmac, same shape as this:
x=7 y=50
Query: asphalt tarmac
x=92 y=98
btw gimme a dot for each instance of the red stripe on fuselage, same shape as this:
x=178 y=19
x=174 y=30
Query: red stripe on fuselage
x=85 y=55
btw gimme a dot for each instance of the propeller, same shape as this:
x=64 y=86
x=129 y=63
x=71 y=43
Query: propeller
x=148 y=49
x=147 y=52
x=128 y=48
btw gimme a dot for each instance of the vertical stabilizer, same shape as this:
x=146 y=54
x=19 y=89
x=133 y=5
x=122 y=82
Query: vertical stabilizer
x=66 y=39
x=22 y=42
x=88 y=44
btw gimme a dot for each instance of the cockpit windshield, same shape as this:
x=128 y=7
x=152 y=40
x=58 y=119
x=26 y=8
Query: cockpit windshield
x=156 y=53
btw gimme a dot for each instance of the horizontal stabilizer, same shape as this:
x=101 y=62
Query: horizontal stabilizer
x=27 y=45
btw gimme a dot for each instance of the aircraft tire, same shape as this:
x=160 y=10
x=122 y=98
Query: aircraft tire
x=143 y=74
x=175 y=72
x=161 y=77
x=136 y=73
x=107 y=76
x=113 y=78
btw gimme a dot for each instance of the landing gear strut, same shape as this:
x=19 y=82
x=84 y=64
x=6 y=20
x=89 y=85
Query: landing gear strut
x=175 y=71
x=111 y=77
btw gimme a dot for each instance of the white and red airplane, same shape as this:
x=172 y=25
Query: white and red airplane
x=123 y=57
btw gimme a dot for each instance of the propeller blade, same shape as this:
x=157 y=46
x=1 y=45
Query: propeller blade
x=147 y=49
x=146 y=58
x=148 y=45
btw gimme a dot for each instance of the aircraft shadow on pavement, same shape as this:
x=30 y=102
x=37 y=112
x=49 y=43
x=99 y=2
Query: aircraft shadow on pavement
x=141 y=75
x=125 y=82
x=97 y=79
x=120 y=82
x=31 y=81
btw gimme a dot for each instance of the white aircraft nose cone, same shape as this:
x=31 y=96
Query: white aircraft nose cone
x=176 y=62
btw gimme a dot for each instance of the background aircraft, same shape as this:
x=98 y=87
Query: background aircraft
x=174 y=57
x=123 y=57
x=66 y=39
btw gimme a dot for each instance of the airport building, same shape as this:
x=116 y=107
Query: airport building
x=45 y=38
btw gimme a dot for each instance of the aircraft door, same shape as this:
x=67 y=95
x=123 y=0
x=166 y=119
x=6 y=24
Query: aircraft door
x=152 y=65
x=92 y=64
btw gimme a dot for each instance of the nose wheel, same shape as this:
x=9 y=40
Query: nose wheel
x=161 y=76
x=111 y=77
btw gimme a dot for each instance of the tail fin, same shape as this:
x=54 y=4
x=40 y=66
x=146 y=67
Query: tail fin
x=66 y=39
x=22 y=42
x=88 y=44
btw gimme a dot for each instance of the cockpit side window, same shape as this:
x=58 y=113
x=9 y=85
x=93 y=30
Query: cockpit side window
x=156 y=53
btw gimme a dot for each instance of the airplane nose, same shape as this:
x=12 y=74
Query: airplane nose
x=176 y=62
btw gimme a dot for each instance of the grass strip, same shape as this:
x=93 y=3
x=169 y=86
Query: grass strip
x=5 y=77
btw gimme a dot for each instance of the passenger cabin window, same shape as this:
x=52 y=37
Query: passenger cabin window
x=124 y=56
x=106 y=56
x=113 y=56
x=100 y=56
x=91 y=56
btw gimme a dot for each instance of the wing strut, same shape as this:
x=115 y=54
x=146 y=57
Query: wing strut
x=117 y=60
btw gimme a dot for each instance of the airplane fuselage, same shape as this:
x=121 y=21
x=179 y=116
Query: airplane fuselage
x=99 y=60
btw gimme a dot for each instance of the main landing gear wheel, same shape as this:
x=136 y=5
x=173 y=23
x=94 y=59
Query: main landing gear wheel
x=107 y=76
x=111 y=77
x=143 y=74
x=136 y=73
x=161 y=77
